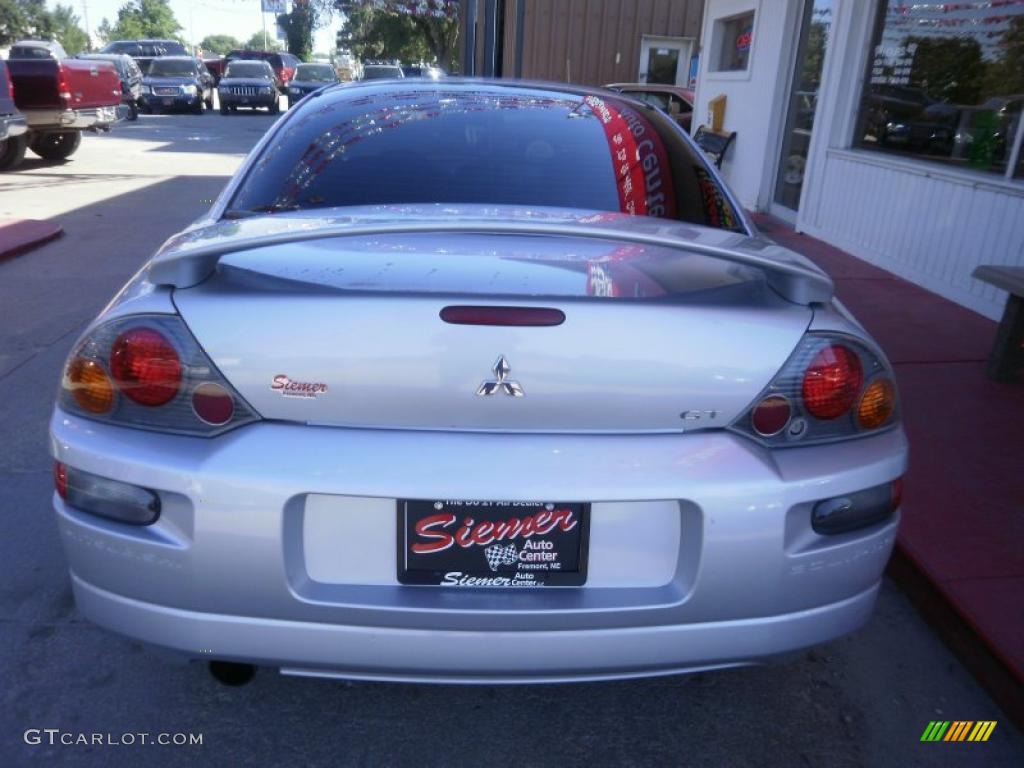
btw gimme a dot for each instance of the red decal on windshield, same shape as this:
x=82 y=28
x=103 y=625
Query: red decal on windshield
x=642 y=173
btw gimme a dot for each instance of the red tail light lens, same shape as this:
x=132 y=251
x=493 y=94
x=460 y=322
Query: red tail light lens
x=832 y=381
x=145 y=366
x=212 y=403
x=515 y=316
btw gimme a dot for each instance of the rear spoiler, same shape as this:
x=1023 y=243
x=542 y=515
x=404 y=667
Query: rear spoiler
x=188 y=261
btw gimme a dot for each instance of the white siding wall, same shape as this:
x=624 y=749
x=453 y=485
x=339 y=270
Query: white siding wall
x=929 y=228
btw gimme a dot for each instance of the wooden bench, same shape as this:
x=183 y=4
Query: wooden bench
x=1007 y=356
x=714 y=144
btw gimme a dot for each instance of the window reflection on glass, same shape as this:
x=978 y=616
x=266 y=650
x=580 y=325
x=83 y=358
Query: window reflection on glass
x=945 y=83
x=734 y=39
x=803 y=100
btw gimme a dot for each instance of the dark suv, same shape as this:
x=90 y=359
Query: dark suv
x=283 y=64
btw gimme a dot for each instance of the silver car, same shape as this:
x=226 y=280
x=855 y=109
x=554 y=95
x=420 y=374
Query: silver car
x=477 y=382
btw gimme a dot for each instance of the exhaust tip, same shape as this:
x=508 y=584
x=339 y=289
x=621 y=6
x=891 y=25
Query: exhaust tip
x=232 y=674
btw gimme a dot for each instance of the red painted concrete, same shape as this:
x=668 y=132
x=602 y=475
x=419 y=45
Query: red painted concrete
x=963 y=510
x=20 y=235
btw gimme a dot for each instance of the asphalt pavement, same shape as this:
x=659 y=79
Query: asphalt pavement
x=864 y=700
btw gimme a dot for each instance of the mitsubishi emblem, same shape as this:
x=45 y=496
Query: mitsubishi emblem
x=501 y=382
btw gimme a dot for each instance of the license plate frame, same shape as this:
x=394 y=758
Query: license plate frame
x=554 y=555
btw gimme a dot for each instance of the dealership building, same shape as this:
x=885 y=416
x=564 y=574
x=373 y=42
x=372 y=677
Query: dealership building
x=888 y=128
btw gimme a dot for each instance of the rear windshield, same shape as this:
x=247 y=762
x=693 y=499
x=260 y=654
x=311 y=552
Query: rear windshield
x=381 y=73
x=172 y=68
x=247 y=69
x=503 y=147
x=317 y=73
x=30 y=52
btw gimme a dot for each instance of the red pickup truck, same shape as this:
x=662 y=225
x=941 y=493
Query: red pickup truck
x=60 y=97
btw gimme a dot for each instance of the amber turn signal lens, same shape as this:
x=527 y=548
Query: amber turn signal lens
x=876 y=404
x=90 y=385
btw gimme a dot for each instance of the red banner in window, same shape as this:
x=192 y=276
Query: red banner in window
x=642 y=172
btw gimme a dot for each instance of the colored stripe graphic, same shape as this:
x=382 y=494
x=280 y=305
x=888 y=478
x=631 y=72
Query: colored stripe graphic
x=958 y=730
x=982 y=730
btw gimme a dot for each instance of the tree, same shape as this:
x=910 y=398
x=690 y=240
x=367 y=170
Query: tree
x=71 y=36
x=220 y=43
x=21 y=19
x=255 y=43
x=140 y=19
x=298 y=26
x=393 y=29
x=948 y=69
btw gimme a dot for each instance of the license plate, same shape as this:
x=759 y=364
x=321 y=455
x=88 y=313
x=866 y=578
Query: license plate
x=244 y=101
x=168 y=102
x=492 y=543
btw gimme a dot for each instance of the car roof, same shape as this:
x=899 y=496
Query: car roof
x=175 y=57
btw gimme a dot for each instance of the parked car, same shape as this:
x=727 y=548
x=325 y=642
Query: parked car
x=13 y=128
x=214 y=64
x=130 y=74
x=248 y=84
x=61 y=97
x=283 y=64
x=309 y=78
x=144 y=51
x=177 y=82
x=437 y=391
x=381 y=72
x=671 y=99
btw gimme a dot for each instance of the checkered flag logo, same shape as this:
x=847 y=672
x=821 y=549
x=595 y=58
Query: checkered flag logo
x=497 y=555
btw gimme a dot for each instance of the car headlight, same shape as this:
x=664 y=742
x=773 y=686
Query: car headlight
x=191 y=90
x=294 y=91
x=146 y=89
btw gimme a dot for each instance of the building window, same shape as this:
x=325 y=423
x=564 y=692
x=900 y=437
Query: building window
x=732 y=40
x=946 y=83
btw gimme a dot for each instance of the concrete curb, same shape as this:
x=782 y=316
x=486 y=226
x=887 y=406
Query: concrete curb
x=18 y=236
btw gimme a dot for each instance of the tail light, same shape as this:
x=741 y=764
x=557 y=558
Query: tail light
x=62 y=87
x=147 y=371
x=832 y=387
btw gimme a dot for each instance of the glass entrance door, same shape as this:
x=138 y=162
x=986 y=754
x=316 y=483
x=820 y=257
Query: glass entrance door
x=815 y=27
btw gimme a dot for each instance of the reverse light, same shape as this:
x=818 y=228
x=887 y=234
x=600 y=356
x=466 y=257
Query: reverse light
x=145 y=366
x=856 y=510
x=107 y=498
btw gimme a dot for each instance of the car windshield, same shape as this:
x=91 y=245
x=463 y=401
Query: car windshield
x=380 y=73
x=317 y=73
x=172 y=68
x=30 y=52
x=247 y=69
x=485 y=146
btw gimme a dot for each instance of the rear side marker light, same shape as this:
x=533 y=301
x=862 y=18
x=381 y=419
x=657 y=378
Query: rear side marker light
x=771 y=415
x=107 y=498
x=145 y=366
x=212 y=403
x=90 y=386
x=60 y=479
x=877 y=404
x=832 y=381
x=509 y=316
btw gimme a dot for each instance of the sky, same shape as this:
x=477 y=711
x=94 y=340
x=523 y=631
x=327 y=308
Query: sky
x=200 y=18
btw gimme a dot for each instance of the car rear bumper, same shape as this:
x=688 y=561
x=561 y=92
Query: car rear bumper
x=11 y=126
x=319 y=649
x=277 y=544
x=73 y=119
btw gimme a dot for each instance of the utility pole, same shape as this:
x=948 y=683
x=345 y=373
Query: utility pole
x=88 y=31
